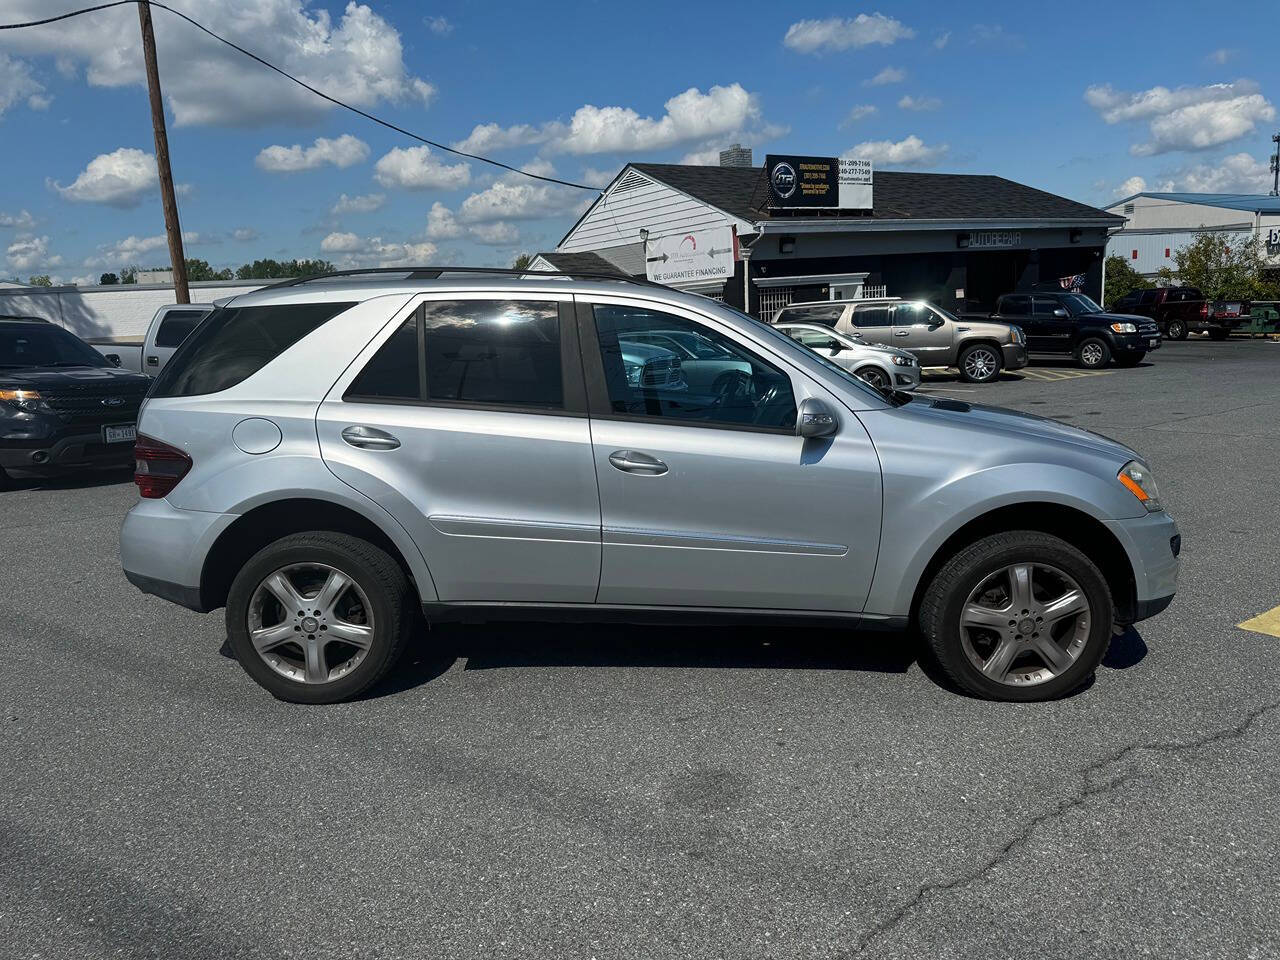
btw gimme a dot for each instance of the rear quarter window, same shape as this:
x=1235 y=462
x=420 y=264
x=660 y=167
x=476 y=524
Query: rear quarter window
x=233 y=343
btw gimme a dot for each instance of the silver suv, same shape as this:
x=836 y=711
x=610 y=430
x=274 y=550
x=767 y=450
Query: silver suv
x=334 y=459
x=977 y=348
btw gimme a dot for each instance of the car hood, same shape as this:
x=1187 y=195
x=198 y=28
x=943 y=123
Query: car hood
x=974 y=416
x=1109 y=317
x=73 y=379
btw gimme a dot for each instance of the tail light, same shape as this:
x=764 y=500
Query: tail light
x=157 y=467
x=1204 y=311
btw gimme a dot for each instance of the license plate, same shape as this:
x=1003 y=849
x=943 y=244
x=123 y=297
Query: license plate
x=127 y=432
x=1153 y=344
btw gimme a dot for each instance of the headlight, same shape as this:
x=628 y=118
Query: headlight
x=633 y=372
x=29 y=401
x=1124 y=328
x=903 y=361
x=1018 y=335
x=1138 y=480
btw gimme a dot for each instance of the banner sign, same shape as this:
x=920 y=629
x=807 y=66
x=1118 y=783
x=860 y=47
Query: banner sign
x=818 y=183
x=691 y=256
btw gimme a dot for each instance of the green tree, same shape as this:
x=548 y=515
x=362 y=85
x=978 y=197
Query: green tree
x=280 y=270
x=1224 y=267
x=198 y=270
x=1121 y=278
x=41 y=280
x=129 y=275
x=107 y=279
x=522 y=262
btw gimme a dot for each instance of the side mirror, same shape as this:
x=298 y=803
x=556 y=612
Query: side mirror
x=836 y=347
x=935 y=323
x=815 y=419
x=113 y=359
x=1059 y=312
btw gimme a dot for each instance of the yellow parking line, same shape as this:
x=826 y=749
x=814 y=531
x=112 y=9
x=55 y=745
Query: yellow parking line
x=1268 y=623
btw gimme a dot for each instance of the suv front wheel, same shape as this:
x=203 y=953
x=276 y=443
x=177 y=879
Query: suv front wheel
x=980 y=363
x=319 y=617
x=1018 y=616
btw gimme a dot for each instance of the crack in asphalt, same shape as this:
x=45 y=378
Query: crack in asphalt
x=1088 y=791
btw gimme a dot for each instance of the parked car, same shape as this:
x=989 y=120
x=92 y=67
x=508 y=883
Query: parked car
x=330 y=460
x=1182 y=310
x=934 y=336
x=63 y=407
x=1073 y=324
x=148 y=354
x=885 y=368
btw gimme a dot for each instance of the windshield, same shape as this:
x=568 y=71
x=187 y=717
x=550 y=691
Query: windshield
x=764 y=329
x=1078 y=305
x=44 y=345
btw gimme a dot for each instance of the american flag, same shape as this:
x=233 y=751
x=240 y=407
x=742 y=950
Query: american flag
x=1073 y=283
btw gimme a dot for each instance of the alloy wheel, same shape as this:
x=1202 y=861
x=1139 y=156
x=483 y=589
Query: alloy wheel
x=875 y=377
x=1025 y=624
x=310 y=622
x=981 y=364
x=1091 y=354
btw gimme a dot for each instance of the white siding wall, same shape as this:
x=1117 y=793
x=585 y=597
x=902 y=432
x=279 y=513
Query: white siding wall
x=1152 y=213
x=617 y=218
x=1151 y=247
x=116 y=311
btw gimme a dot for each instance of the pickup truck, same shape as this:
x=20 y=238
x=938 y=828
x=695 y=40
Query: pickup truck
x=1071 y=323
x=149 y=354
x=1182 y=310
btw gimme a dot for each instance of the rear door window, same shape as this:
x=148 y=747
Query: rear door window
x=871 y=316
x=176 y=326
x=1014 y=307
x=1043 y=307
x=233 y=343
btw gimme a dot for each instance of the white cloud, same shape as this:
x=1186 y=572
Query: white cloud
x=1186 y=118
x=441 y=223
x=690 y=116
x=941 y=40
x=359 y=58
x=1221 y=55
x=362 y=203
x=886 y=76
x=27 y=253
x=508 y=199
x=341 y=243
x=438 y=25
x=487 y=137
x=1237 y=173
x=244 y=234
x=919 y=103
x=119 y=179
x=1130 y=187
x=908 y=152
x=836 y=33
x=22 y=220
x=343 y=151
x=375 y=252
x=416 y=168
x=134 y=248
x=598 y=178
x=710 y=157
x=859 y=112
x=499 y=234
x=18 y=83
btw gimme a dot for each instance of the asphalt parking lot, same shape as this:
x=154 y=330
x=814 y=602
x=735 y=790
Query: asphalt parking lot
x=590 y=791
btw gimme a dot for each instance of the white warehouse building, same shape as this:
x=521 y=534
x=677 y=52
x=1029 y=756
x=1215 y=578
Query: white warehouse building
x=1157 y=225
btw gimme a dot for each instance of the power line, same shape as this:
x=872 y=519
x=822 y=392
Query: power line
x=305 y=86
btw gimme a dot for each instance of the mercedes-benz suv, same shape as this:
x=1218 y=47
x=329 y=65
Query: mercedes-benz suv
x=334 y=459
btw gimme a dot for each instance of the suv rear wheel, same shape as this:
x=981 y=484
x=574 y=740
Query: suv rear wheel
x=319 y=617
x=980 y=363
x=1018 y=616
x=1176 y=330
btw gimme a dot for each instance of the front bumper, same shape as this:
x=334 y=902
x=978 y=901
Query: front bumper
x=1015 y=355
x=162 y=549
x=1150 y=543
x=906 y=378
x=48 y=456
x=1131 y=343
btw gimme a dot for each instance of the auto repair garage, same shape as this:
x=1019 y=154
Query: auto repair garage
x=959 y=240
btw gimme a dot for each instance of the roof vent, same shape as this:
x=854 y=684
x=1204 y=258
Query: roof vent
x=1128 y=208
x=631 y=181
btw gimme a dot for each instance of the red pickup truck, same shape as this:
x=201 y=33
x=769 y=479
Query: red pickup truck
x=1183 y=310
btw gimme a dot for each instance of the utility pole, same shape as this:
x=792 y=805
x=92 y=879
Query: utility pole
x=167 y=199
x=1275 y=167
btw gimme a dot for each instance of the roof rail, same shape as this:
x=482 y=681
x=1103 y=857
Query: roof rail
x=433 y=273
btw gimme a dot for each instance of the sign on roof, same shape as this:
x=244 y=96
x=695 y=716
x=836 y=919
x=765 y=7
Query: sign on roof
x=691 y=256
x=818 y=183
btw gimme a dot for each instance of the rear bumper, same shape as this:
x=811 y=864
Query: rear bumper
x=162 y=549
x=1015 y=356
x=1150 y=542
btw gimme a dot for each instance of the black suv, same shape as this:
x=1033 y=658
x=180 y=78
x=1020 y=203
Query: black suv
x=63 y=406
x=1071 y=323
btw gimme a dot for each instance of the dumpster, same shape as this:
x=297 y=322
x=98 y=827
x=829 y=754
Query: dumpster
x=1264 y=317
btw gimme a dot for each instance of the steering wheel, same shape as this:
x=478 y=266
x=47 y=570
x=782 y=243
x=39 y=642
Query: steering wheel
x=731 y=385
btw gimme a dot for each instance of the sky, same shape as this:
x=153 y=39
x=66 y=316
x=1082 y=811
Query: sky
x=1092 y=101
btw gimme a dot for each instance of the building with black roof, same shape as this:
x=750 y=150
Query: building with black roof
x=959 y=240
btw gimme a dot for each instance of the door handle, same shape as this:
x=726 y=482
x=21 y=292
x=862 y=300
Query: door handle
x=369 y=438
x=633 y=461
x=902 y=333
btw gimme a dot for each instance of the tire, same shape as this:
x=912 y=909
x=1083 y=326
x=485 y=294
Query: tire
x=876 y=377
x=1080 y=641
x=1093 y=353
x=1132 y=360
x=1176 y=330
x=980 y=363
x=377 y=605
x=1218 y=333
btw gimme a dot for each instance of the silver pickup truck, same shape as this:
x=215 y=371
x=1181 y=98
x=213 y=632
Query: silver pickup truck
x=168 y=328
